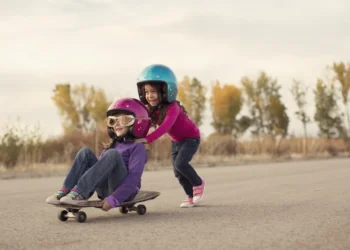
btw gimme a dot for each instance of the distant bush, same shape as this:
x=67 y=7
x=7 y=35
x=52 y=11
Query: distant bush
x=24 y=146
x=19 y=144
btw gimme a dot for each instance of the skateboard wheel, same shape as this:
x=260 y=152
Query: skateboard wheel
x=123 y=210
x=80 y=216
x=141 y=209
x=62 y=215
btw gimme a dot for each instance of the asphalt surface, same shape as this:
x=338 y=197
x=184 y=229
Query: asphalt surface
x=295 y=205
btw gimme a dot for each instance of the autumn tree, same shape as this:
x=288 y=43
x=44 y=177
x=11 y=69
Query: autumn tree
x=342 y=76
x=267 y=110
x=226 y=104
x=191 y=93
x=81 y=107
x=299 y=92
x=327 y=115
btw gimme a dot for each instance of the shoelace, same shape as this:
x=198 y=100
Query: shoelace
x=197 y=190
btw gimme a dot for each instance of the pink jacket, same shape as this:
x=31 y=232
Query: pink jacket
x=176 y=124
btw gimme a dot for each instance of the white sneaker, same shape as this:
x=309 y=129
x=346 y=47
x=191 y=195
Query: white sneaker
x=187 y=203
x=71 y=199
x=54 y=199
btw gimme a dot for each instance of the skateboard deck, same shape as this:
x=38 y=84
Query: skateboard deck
x=72 y=211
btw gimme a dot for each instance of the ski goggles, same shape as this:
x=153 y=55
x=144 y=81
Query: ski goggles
x=122 y=120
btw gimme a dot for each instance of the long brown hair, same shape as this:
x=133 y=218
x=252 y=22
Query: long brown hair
x=110 y=144
x=162 y=107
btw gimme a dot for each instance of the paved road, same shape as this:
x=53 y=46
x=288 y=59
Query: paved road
x=300 y=205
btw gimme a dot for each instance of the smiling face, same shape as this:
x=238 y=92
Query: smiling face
x=120 y=130
x=152 y=95
x=120 y=123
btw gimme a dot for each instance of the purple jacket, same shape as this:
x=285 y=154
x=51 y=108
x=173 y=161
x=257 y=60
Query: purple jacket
x=135 y=158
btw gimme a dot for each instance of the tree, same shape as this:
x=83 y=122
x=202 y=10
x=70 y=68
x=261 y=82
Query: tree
x=299 y=92
x=184 y=91
x=268 y=113
x=191 y=93
x=327 y=115
x=226 y=104
x=342 y=75
x=81 y=107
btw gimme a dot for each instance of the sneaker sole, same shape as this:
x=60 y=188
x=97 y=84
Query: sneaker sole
x=186 y=206
x=73 y=202
x=53 y=202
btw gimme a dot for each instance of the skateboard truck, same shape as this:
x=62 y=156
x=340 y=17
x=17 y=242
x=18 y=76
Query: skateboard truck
x=79 y=216
x=140 y=209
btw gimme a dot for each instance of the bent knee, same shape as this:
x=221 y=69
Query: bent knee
x=85 y=151
x=180 y=164
x=112 y=153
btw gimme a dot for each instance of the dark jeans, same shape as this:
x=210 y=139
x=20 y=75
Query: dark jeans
x=182 y=153
x=89 y=174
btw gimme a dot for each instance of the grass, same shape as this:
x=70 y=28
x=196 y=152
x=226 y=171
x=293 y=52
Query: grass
x=20 y=156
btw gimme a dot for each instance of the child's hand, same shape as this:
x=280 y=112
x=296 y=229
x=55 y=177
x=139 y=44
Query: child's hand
x=142 y=140
x=105 y=206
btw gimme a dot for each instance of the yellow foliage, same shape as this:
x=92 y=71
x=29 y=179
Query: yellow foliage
x=81 y=106
x=191 y=94
x=183 y=92
x=226 y=104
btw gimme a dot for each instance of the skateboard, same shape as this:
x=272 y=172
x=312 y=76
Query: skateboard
x=73 y=211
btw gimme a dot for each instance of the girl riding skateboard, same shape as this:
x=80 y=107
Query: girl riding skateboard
x=116 y=174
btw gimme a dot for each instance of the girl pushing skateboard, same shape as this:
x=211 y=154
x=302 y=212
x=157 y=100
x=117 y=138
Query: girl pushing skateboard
x=157 y=88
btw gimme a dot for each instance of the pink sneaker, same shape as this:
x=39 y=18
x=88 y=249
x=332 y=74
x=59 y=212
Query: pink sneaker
x=198 y=192
x=187 y=203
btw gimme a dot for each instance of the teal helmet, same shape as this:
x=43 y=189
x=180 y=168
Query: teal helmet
x=159 y=74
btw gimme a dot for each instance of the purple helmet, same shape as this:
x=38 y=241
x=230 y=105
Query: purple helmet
x=136 y=108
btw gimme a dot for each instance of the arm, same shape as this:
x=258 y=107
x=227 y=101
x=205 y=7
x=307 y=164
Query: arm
x=137 y=161
x=172 y=114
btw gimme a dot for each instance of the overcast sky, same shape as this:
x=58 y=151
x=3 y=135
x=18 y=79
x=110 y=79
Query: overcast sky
x=107 y=43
